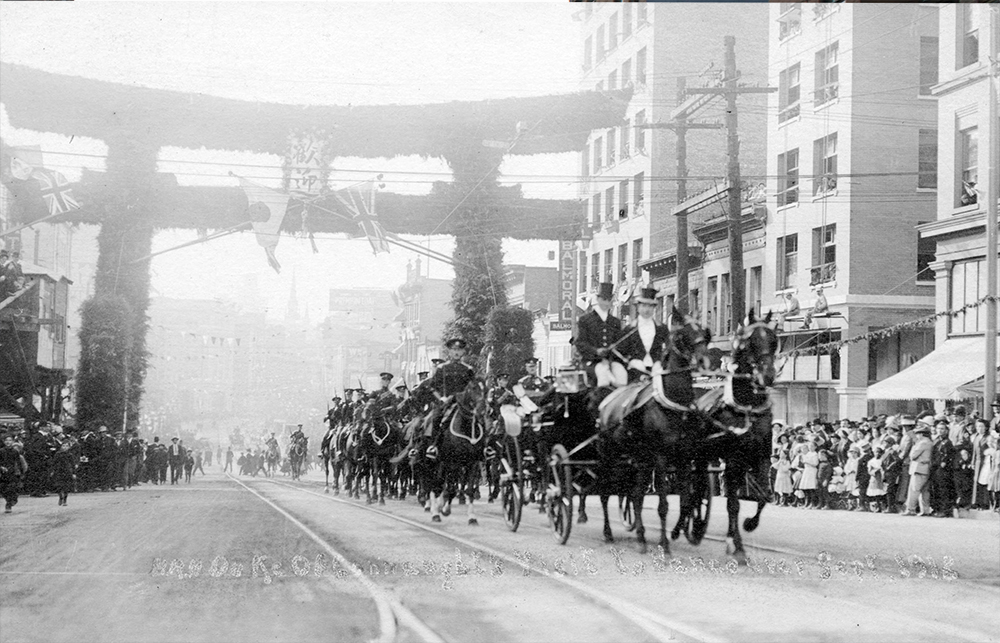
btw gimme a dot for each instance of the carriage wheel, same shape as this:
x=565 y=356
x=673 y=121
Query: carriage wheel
x=701 y=490
x=559 y=496
x=511 y=483
x=626 y=511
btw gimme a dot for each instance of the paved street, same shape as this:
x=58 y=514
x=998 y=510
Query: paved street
x=118 y=567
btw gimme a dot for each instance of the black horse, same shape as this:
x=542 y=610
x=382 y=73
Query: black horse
x=740 y=427
x=297 y=456
x=652 y=428
x=460 y=451
x=380 y=441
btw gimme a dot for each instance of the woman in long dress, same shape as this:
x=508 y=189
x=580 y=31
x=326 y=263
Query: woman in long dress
x=810 y=470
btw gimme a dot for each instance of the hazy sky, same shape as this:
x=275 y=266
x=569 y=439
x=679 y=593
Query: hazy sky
x=322 y=53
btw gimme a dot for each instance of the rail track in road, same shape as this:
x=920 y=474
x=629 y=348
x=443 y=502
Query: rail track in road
x=656 y=625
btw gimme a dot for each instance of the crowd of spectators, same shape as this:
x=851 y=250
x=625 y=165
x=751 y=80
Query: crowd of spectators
x=42 y=459
x=925 y=465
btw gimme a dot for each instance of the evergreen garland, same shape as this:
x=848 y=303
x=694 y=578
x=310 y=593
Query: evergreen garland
x=102 y=384
x=509 y=341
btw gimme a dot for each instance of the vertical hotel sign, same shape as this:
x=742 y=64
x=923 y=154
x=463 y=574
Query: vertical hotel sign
x=567 y=286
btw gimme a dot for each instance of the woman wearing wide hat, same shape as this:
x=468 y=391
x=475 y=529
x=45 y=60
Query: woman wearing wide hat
x=645 y=341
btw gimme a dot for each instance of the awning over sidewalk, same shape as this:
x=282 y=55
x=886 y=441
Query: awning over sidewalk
x=939 y=375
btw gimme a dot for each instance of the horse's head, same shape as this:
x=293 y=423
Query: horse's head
x=688 y=342
x=755 y=347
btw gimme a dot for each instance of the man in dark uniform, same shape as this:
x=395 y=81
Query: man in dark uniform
x=596 y=333
x=533 y=385
x=500 y=395
x=422 y=375
x=450 y=378
x=644 y=343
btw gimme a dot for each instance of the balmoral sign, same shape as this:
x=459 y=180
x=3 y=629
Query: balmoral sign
x=567 y=282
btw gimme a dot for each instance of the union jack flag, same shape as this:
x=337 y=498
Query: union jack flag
x=56 y=191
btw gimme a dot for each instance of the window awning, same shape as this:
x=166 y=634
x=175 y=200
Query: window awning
x=940 y=375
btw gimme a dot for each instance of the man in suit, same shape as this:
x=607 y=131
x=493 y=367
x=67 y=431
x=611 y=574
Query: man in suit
x=942 y=484
x=175 y=456
x=644 y=343
x=596 y=333
x=920 y=469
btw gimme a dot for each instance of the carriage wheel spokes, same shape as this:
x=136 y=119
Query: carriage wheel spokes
x=559 y=495
x=511 y=483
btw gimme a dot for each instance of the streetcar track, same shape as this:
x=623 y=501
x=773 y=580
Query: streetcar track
x=945 y=630
x=659 y=627
x=390 y=610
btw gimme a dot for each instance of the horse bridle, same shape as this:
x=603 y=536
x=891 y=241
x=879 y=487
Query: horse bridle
x=756 y=376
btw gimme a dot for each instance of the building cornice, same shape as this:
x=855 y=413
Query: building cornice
x=967 y=223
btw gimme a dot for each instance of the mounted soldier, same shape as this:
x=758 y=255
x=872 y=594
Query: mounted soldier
x=450 y=378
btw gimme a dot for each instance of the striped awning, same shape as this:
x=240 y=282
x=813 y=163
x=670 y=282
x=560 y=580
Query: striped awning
x=940 y=375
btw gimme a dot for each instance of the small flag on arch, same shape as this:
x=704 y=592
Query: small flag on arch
x=267 y=210
x=56 y=191
x=359 y=200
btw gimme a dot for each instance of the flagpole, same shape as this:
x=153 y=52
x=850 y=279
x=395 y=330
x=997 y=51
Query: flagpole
x=211 y=237
x=28 y=225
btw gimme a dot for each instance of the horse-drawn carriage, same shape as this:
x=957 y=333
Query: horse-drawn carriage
x=655 y=434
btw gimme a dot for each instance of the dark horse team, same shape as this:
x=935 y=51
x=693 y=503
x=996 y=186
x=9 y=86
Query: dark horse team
x=638 y=415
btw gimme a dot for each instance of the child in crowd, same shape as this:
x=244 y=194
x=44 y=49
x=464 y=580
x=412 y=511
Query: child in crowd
x=837 y=496
x=876 y=487
x=63 y=472
x=783 y=487
x=851 y=476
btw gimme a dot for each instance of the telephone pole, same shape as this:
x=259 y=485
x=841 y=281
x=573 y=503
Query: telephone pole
x=992 y=195
x=731 y=90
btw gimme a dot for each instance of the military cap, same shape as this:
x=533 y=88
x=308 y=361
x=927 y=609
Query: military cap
x=531 y=360
x=386 y=376
x=456 y=342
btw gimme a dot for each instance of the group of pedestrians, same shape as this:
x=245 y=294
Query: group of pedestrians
x=925 y=465
x=44 y=459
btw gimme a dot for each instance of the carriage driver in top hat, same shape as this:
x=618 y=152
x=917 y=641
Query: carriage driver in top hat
x=596 y=333
x=645 y=341
x=450 y=378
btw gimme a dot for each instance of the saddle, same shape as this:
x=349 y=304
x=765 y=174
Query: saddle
x=621 y=402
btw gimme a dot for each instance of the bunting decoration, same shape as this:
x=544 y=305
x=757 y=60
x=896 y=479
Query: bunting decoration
x=267 y=210
x=884 y=333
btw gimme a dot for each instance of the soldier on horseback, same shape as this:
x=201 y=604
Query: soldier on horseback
x=450 y=378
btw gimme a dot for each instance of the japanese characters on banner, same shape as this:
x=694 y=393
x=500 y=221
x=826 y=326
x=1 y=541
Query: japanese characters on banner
x=306 y=168
x=567 y=286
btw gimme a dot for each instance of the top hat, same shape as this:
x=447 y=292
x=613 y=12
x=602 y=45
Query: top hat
x=456 y=342
x=605 y=290
x=646 y=296
x=386 y=376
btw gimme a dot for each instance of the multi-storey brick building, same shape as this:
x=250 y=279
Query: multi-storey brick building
x=852 y=134
x=628 y=173
x=956 y=236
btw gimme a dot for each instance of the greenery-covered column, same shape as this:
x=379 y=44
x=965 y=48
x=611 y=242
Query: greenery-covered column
x=114 y=323
x=479 y=277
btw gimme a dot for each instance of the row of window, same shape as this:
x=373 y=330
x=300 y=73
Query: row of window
x=617 y=144
x=594 y=49
x=605 y=207
x=824 y=258
x=613 y=272
x=824 y=173
x=626 y=74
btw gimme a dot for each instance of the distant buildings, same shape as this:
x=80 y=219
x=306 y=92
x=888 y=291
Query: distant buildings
x=426 y=306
